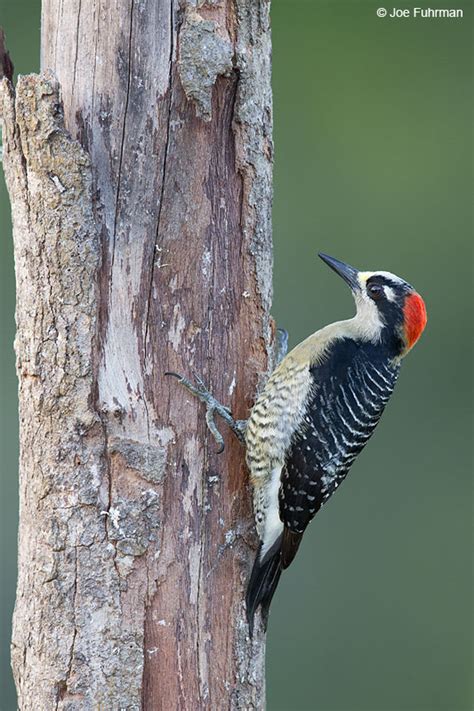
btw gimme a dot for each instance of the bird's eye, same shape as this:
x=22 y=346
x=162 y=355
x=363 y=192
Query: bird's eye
x=375 y=291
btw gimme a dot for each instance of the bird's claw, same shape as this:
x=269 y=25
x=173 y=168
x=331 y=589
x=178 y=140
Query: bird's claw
x=213 y=429
x=212 y=407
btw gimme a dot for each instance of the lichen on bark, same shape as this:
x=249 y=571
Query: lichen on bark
x=203 y=56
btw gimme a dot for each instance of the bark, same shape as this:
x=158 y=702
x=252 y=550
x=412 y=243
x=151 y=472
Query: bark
x=141 y=209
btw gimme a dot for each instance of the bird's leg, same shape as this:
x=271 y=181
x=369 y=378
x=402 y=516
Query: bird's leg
x=213 y=407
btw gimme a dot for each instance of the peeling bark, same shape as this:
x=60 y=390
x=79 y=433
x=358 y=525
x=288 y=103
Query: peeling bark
x=141 y=207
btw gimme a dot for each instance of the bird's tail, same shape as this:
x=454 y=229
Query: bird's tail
x=263 y=583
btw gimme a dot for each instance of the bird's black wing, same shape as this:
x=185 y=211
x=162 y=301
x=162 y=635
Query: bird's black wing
x=351 y=389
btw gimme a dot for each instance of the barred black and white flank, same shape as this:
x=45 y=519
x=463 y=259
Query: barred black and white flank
x=316 y=413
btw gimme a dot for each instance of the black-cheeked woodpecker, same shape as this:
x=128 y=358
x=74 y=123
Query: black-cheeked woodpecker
x=316 y=413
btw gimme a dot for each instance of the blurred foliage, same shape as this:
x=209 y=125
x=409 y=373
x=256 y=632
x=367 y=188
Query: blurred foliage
x=373 y=165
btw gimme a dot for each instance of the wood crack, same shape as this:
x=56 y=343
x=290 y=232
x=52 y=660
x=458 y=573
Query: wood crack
x=77 y=47
x=163 y=181
x=122 y=140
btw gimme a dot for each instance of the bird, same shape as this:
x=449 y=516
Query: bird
x=316 y=413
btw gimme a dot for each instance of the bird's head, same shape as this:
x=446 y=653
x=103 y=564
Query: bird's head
x=389 y=310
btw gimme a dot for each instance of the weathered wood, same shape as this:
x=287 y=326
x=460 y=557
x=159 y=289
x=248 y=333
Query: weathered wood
x=142 y=244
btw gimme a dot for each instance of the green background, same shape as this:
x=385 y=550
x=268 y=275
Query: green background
x=373 y=165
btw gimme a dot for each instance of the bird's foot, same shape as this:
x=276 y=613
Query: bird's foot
x=213 y=407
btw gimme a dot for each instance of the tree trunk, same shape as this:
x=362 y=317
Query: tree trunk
x=142 y=244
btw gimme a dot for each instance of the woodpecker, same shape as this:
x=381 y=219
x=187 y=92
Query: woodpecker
x=315 y=415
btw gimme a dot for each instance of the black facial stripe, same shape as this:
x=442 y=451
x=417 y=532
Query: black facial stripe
x=384 y=281
x=397 y=286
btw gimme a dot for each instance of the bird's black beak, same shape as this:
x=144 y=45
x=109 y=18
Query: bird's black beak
x=348 y=273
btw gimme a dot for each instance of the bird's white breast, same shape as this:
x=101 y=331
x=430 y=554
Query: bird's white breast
x=275 y=417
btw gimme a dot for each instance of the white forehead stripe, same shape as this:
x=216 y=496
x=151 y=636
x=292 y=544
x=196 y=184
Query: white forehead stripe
x=363 y=276
x=389 y=275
